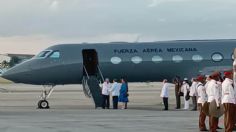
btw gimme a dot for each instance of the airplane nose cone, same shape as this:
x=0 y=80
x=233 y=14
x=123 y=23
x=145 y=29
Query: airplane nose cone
x=17 y=74
x=10 y=75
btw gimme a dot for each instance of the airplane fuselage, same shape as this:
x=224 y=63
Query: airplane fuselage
x=138 y=62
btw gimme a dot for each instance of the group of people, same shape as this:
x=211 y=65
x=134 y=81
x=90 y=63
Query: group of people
x=215 y=96
x=118 y=91
x=187 y=90
x=182 y=88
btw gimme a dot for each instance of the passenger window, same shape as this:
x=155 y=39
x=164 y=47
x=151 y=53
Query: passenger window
x=217 y=57
x=177 y=58
x=55 y=55
x=157 y=59
x=43 y=54
x=136 y=59
x=197 y=58
x=116 y=60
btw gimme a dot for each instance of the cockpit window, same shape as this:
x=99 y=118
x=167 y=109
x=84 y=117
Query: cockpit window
x=43 y=54
x=55 y=55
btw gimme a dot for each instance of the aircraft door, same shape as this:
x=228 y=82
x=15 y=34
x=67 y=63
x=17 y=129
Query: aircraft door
x=90 y=61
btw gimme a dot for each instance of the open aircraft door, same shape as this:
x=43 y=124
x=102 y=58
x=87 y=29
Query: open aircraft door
x=90 y=81
x=90 y=61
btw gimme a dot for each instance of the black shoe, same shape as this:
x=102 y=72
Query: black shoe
x=204 y=130
x=177 y=107
x=234 y=129
x=164 y=109
x=219 y=127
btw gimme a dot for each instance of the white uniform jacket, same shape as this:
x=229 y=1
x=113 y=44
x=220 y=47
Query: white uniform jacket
x=228 y=92
x=165 y=90
x=207 y=89
x=185 y=88
x=193 y=89
x=201 y=91
x=106 y=88
x=214 y=92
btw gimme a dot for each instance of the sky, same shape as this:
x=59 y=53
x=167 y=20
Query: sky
x=29 y=26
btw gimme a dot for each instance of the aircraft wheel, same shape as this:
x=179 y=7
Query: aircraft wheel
x=43 y=104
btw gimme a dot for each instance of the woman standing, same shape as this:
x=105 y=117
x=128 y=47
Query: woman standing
x=123 y=97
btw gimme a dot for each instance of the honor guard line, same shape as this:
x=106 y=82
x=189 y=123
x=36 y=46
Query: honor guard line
x=87 y=64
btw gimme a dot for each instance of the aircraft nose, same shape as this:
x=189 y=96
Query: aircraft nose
x=10 y=74
x=16 y=74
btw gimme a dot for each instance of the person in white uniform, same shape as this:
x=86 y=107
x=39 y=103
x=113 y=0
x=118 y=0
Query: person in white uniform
x=193 y=93
x=214 y=93
x=185 y=90
x=202 y=98
x=228 y=101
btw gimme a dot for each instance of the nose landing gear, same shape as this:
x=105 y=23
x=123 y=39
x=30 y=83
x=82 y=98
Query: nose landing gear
x=43 y=103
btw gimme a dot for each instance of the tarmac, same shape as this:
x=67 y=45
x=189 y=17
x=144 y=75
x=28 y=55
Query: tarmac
x=71 y=111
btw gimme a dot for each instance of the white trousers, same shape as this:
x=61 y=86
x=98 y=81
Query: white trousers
x=186 y=104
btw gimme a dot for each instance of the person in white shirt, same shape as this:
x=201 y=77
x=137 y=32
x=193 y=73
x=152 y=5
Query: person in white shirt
x=228 y=100
x=106 y=94
x=213 y=91
x=185 y=90
x=202 y=98
x=165 y=93
x=115 y=91
x=208 y=92
x=208 y=79
x=193 y=93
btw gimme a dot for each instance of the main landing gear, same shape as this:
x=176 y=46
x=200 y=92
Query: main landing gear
x=46 y=92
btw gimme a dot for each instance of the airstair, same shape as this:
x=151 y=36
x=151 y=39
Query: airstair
x=91 y=86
